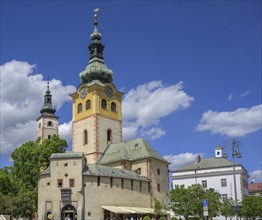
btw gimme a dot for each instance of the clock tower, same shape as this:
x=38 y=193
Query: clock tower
x=97 y=113
x=47 y=123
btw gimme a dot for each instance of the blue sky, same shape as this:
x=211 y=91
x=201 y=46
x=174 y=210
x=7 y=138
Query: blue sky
x=190 y=71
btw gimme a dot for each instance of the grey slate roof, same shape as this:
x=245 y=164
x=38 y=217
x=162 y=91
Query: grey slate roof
x=130 y=151
x=207 y=163
x=100 y=170
x=46 y=171
x=68 y=154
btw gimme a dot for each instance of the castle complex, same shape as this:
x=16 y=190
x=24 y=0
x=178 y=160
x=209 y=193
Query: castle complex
x=103 y=177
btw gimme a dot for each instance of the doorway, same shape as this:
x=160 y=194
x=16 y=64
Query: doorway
x=68 y=213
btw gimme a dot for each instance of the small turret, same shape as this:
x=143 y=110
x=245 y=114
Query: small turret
x=219 y=151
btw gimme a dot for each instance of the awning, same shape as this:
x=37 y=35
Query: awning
x=128 y=210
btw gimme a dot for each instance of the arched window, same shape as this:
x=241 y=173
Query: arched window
x=113 y=107
x=49 y=123
x=79 y=108
x=39 y=125
x=104 y=104
x=88 y=104
x=85 y=137
x=49 y=136
x=109 y=135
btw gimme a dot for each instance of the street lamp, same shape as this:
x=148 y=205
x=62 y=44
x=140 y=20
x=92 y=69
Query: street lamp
x=235 y=152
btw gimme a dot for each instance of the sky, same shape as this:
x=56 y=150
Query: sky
x=190 y=71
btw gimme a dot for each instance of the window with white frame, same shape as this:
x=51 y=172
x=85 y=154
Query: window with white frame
x=223 y=182
x=224 y=197
x=204 y=183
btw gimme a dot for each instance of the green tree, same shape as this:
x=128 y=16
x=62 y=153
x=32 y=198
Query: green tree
x=8 y=185
x=159 y=208
x=6 y=204
x=251 y=206
x=214 y=203
x=185 y=201
x=227 y=208
x=29 y=160
x=188 y=201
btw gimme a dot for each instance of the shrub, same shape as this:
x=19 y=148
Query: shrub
x=146 y=218
x=162 y=218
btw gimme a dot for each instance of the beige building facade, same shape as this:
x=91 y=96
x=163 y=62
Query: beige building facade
x=103 y=176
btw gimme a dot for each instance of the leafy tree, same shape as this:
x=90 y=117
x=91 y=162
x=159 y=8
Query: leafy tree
x=24 y=204
x=32 y=157
x=183 y=202
x=6 y=204
x=29 y=160
x=188 y=201
x=251 y=206
x=8 y=186
x=227 y=208
x=214 y=203
x=159 y=208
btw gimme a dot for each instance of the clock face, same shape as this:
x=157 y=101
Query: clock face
x=109 y=91
x=83 y=93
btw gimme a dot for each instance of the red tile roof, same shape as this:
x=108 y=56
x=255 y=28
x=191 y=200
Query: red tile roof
x=255 y=187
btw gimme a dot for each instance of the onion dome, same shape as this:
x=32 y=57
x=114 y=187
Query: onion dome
x=96 y=68
x=48 y=108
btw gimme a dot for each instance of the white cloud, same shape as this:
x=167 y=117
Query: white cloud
x=230 y=97
x=232 y=124
x=22 y=97
x=244 y=94
x=154 y=133
x=256 y=175
x=65 y=131
x=180 y=160
x=145 y=105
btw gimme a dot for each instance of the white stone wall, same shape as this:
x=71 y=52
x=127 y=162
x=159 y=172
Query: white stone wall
x=213 y=178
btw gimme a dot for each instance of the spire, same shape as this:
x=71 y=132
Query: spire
x=48 y=108
x=96 y=68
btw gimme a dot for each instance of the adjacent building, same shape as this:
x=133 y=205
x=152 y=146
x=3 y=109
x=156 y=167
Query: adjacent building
x=255 y=189
x=216 y=173
x=103 y=176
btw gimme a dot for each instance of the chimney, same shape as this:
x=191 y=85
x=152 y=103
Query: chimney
x=198 y=158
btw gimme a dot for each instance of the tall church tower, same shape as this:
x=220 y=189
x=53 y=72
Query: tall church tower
x=47 y=123
x=97 y=113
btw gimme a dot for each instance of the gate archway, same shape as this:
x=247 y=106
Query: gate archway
x=68 y=212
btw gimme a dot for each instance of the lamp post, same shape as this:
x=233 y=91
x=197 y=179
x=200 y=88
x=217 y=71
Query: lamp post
x=235 y=152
